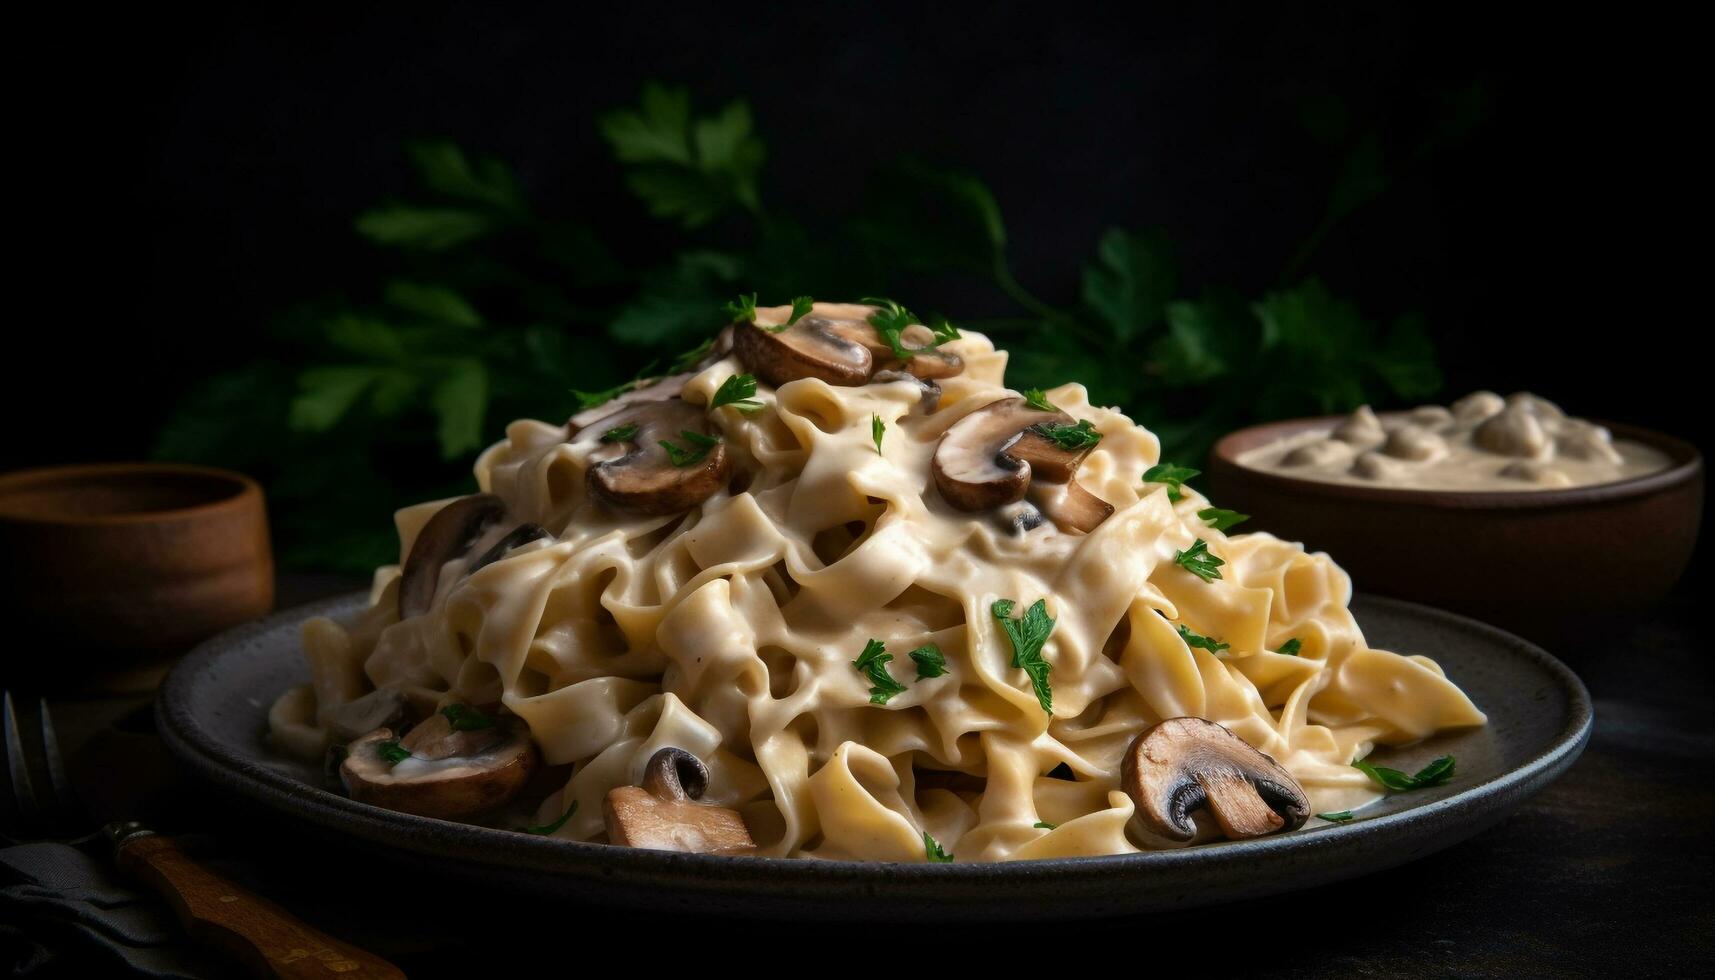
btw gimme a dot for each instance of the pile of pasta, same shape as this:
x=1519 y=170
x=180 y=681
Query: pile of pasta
x=731 y=631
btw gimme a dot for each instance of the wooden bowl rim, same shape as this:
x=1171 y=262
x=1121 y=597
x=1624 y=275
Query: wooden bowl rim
x=1687 y=466
x=245 y=492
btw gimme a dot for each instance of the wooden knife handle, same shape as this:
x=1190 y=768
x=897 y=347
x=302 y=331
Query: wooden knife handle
x=265 y=937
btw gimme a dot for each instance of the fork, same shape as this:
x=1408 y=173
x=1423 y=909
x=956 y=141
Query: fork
x=270 y=941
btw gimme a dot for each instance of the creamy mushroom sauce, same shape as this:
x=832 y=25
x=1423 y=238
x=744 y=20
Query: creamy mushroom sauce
x=1483 y=442
x=730 y=631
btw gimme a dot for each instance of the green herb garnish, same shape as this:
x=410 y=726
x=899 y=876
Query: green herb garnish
x=1291 y=647
x=1045 y=825
x=1208 y=643
x=930 y=661
x=465 y=718
x=1434 y=774
x=1080 y=436
x=877 y=429
x=872 y=663
x=1340 y=816
x=800 y=306
x=684 y=362
x=932 y=850
x=1028 y=635
x=592 y=399
x=890 y=320
x=682 y=457
x=549 y=828
x=942 y=330
x=1197 y=560
x=1220 y=518
x=1037 y=400
x=737 y=391
x=392 y=752
x=619 y=433
x=743 y=308
x=1172 y=475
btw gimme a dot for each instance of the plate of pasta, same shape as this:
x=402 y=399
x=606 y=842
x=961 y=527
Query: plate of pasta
x=829 y=615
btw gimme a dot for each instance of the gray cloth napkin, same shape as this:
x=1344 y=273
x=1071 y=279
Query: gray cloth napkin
x=63 y=912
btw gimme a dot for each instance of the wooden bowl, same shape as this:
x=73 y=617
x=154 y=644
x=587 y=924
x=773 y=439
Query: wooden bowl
x=1551 y=564
x=108 y=568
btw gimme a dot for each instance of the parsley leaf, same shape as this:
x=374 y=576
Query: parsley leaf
x=931 y=662
x=1080 y=436
x=800 y=306
x=591 y=399
x=877 y=429
x=1338 y=817
x=1221 y=519
x=737 y=391
x=549 y=828
x=743 y=308
x=619 y=433
x=1129 y=286
x=1434 y=774
x=932 y=850
x=890 y=320
x=1039 y=401
x=872 y=663
x=1028 y=635
x=1197 y=560
x=689 y=457
x=684 y=362
x=1172 y=475
x=682 y=167
x=1045 y=825
x=942 y=330
x=1291 y=647
x=1208 y=643
x=392 y=752
x=465 y=718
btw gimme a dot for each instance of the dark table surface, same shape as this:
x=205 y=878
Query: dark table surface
x=1608 y=872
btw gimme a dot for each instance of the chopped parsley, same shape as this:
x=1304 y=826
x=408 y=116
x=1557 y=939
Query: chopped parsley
x=872 y=663
x=1028 y=635
x=619 y=433
x=1197 y=560
x=465 y=718
x=591 y=399
x=1208 y=643
x=1220 y=518
x=890 y=320
x=1172 y=475
x=1045 y=825
x=877 y=429
x=942 y=330
x=930 y=661
x=1340 y=816
x=549 y=828
x=737 y=391
x=682 y=457
x=392 y=752
x=743 y=308
x=1080 y=436
x=684 y=362
x=1291 y=647
x=1039 y=401
x=932 y=850
x=1434 y=774
x=800 y=306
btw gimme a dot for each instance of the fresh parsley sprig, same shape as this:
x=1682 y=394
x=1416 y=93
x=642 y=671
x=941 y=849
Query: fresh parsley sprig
x=1434 y=774
x=682 y=457
x=877 y=429
x=1173 y=475
x=1039 y=401
x=1071 y=437
x=392 y=752
x=620 y=433
x=549 y=828
x=890 y=320
x=684 y=362
x=465 y=718
x=737 y=391
x=592 y=399
x=930 y=661
x=1291 y=647
x=933 y=851
x=1197 y=560
x=1028 y=635
x=1208 y=643
x=872 y=663
x=801 y=305
x=942 y=330
x=1220 y=518
x=741 y=309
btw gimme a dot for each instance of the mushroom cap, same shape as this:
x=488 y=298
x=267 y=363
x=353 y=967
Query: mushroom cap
x=644 y=480
x=446 y=536
x=658 y=390
x=989 y=458
x=662 y=813
x=1186 y=764
x=814 y=347
x=1071 y=507
x=449 y=788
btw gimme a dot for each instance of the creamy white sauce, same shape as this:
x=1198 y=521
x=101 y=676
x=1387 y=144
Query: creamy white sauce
x=1483 y=442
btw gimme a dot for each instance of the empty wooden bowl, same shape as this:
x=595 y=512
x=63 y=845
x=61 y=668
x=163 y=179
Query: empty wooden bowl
x=107 y=569
x=1550 y=564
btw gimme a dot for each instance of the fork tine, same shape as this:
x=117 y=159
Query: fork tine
x=23 y=792
x=65 y=803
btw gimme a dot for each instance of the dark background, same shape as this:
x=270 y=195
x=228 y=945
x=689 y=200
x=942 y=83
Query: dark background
x=205 y=168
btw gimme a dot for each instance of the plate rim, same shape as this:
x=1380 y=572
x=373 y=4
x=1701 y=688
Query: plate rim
x=564 y=860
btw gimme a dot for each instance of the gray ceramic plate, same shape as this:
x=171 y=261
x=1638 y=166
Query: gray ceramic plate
x=213 y=710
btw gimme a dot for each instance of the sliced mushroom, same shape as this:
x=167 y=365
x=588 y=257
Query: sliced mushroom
x=451 y=786
x=1187 y=764
x=447 y=535
x=645 y=480
x=383 y=707
x=519 y=536
x=663 y=814
x=659 y=390
x=814 y=347
x=989 y=458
